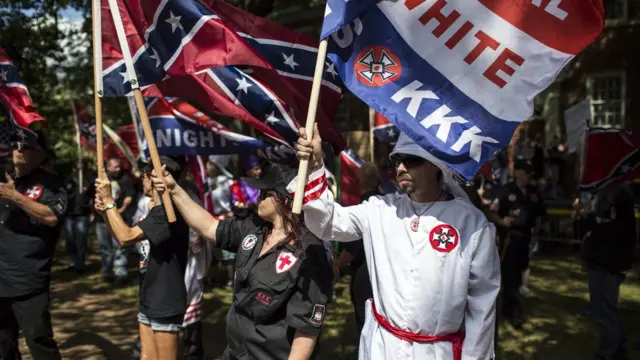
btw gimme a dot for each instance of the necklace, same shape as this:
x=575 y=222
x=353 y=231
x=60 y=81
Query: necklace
x=415 y=223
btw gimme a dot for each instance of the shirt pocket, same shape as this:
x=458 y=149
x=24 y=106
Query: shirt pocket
x=269 y=298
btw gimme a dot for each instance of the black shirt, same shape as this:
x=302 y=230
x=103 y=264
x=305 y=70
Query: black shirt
x=162 y=289
x=78 y=204
x=284 y=291
x=610 y=243
x=27 y=246
x=524 y=208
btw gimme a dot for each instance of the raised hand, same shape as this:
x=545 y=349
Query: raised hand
x=161 y=184
x=310 y=149
x=103 y=191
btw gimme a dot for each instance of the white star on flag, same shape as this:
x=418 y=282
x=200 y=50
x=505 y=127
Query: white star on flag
x=271 y=118
x=174 y=21
x=155 y=56
x=625 y=168
x=243 y=85
x=125 y=76
x=290 y=61
x=3 y=74
x=391 y=132
x=331 y=69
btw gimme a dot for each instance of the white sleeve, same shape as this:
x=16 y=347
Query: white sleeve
x=484 y=286
x=324 y=217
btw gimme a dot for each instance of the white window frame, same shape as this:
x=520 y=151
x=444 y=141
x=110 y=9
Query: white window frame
x=623 y=97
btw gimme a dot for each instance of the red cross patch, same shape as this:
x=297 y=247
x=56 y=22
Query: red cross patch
x=285 y=261
x=444 y=238
x=33 y=192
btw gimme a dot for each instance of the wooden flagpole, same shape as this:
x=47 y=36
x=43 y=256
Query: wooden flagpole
x=142 y=110
x=310 y=124
x=75 y=120
x=97 y=83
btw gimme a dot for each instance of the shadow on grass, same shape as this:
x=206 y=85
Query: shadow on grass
x=95 y=320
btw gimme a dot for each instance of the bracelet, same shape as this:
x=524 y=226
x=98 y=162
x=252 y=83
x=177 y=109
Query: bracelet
x=109 y=206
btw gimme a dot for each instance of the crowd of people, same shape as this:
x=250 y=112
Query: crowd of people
x=427 y=262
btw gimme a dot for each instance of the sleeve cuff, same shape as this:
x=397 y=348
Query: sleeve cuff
x=316 y=186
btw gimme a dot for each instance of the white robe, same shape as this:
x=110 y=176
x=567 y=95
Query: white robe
x=416 y=287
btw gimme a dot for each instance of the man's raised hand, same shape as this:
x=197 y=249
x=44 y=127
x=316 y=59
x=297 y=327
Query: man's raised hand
x=164 y=183
x=310 y=149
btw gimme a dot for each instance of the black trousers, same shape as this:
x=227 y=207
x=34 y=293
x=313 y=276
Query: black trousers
x=360 y=288
x=515 y=262
x=31 y=315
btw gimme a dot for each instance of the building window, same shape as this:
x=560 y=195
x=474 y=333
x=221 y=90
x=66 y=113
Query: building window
x=607 y=94
x=615 y=10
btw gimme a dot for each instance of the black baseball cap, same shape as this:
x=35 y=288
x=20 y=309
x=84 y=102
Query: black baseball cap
x=275 y=177
x=29 y=140
x=173 y=167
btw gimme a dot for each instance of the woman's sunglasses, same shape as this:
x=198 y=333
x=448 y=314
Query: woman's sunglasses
x=409 y=161
x=265 y=194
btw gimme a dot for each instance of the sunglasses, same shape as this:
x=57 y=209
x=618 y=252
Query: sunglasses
x=409 y=161
x=265 y=194
x=22 y=146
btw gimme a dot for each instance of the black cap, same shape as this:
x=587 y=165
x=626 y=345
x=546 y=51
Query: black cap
x=275 y=177
x=33 y=138
x=523 y=165
x=172 y=166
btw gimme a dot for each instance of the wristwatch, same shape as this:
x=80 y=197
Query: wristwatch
x=109 y=206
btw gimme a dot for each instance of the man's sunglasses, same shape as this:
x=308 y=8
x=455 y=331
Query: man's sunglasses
x=409 y=161
x=22 y=146
x=265 y=194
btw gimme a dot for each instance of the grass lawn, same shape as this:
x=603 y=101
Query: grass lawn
x=93 y=320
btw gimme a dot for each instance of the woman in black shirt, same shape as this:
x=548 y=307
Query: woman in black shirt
x=283 y=275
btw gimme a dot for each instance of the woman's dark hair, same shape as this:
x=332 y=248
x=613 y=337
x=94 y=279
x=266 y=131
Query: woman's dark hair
x=289 y=220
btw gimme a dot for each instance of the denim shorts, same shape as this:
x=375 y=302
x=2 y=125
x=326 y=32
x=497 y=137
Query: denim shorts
x=167 y=324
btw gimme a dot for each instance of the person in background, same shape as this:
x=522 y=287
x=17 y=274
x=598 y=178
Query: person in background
x=521 y=209
x=352 y=253
x=77 y=221
x=198 y=261
x=608 y=251
x=114 y=256
x=163 y=260
x=32 y=208
x=220 y=181
x=243 y=195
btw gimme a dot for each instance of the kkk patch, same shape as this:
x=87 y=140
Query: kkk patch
x=444 y=238
x=512 y=197
x=34 y=192
x=249 y=242
x=285 y=261
x=263 y=298
x=60 y=206
x=317 y=316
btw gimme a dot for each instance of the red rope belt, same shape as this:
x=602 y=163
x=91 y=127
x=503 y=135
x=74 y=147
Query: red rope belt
x=456 y=339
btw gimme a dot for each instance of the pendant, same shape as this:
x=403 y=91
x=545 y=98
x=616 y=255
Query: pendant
x=415 y=224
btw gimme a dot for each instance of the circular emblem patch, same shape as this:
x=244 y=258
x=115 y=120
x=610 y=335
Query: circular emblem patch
x=512 y=197
x=377 y=66
x=444 y=238
x=249 y=242
x=34 y=192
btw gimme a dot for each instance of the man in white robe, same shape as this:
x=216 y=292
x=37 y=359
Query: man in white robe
x=431 y=255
